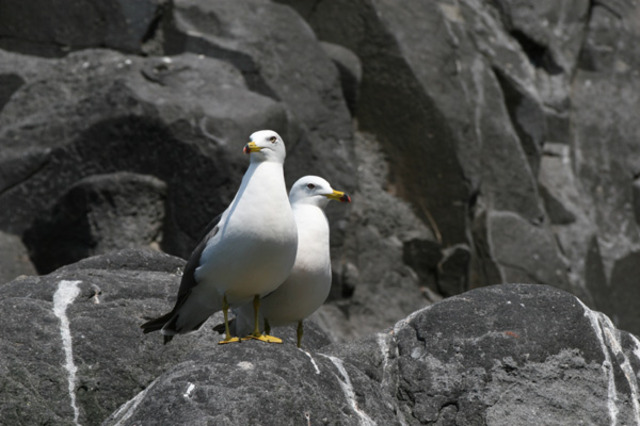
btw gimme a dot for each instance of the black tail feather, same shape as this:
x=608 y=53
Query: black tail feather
x=156 y=324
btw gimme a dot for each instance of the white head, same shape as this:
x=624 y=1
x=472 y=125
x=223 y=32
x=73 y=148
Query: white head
x=266 y=145
x=315 y=191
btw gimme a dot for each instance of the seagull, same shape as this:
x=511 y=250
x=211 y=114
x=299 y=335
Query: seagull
x=308 y=285
x=247 y=252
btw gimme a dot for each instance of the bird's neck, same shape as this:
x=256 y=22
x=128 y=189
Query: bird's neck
x=271 y=169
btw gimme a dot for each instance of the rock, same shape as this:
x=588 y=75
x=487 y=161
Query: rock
x=546 y=33
x=605 y=149
x=515 y=121
x=73 y=353
x=279 y=57
x=107 y=347
x=429 y=143
x=14 y=258
x=539 y=263
x=381 y=288
x=502 y=354
x=9 y=83
x=625 y=292
x=292 y=387
x=182 y=120
x=423 y=256
x=507 y=112
x=636 y=200
x=52 y=28
x=98 y=214
x=453 y=273
x=350 y=70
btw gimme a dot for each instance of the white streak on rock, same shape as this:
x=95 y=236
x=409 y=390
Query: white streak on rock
x=613 y=337
x=127 y=409
x=383 y=342
x=636 y=342
x=313 y=361
x=64 y=296
x=347 y=389
x=607 y=365
x=189 y=390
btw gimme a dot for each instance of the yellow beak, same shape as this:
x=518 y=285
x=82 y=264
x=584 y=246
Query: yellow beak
x=339 y=196
x=251 y=147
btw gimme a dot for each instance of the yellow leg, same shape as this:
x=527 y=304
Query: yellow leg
x=257 y=335
x=300 y=331
x=225 y=311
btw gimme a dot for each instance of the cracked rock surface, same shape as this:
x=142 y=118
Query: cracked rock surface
x=496 y=356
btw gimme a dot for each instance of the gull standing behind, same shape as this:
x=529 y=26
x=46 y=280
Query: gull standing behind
x=246 y=254
x=308 y=285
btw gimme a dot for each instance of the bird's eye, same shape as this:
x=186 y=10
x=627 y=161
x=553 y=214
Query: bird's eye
x=310 y=186
x=273 y=139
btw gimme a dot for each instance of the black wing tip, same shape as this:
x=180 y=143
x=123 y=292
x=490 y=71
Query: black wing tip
x=156 y=324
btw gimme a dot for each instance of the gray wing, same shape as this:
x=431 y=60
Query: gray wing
x=186 y=284
x=188 y=276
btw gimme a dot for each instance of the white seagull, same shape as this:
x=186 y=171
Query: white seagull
x=308 y=285
x=245 y=254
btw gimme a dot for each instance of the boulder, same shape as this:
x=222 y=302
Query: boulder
x=14 y=258
x=505 y=355
x=182 y=120
x=96 y=215
x=53 y=28
x=605 y=149
x=350 y=70
x=372 y=286
x=487 y=369
x=73 y=353
x=279 y=57
x=514 y=109
x=497 y=233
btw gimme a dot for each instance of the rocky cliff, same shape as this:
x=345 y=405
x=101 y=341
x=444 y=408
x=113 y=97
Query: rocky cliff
x=483 y=143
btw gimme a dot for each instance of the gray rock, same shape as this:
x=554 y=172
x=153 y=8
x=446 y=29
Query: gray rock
x=605 y=149
x=636 y=200
x=473 y=123
x=9 y=83
x=53 y=28
x=182 y=120
x=374 y=287
x=279 y=57
x=424 y=257
x=517 y=113
x=279 y=385
x=540 y=263
x=350 y=70
x=73 y=352
x=14 y=258
x=453 y=272
x=421 y=113
x=98 y=214
x=550 y=34
x=511 y=353
x=112 y=357
x=625 y=292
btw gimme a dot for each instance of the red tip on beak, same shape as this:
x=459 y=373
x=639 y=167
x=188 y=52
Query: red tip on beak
x=345 y=198
x=246 y=149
